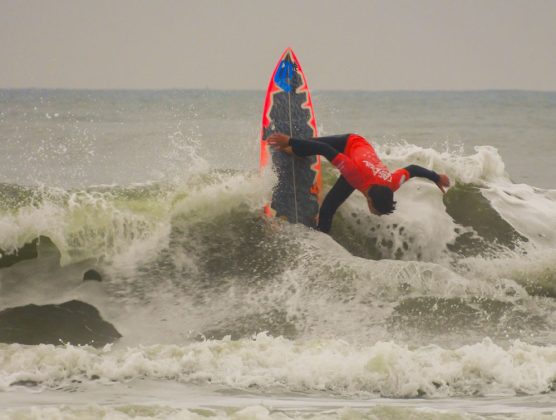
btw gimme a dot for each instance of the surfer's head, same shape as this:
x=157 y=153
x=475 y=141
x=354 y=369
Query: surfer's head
x=381 y=200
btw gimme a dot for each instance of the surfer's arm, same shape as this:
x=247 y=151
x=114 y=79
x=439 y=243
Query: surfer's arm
x=311 y=147
x=420 y=172
x=328 y=146
x=334 y=199
x=441 y=180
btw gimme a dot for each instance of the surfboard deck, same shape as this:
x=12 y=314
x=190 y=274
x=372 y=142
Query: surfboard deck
x=288 y=109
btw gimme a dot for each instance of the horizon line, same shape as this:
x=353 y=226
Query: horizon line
x=208 y=89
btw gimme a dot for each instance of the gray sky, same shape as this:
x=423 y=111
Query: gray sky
x=234 y=44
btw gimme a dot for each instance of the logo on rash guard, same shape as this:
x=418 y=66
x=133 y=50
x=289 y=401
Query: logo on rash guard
x=341 y=165
x=381 y=173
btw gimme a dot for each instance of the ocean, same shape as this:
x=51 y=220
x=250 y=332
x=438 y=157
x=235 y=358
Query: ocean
x=445 y=309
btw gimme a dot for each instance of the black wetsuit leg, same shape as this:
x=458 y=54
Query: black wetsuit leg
x=334 y=199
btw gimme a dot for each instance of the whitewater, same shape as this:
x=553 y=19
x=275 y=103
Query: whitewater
x=444 y=309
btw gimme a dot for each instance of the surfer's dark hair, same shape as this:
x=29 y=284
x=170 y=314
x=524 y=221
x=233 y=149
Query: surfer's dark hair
x=383 y=199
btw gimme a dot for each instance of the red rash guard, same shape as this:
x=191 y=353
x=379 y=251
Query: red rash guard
x=361 y=167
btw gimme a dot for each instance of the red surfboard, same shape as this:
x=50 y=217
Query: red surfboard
x=288 y=109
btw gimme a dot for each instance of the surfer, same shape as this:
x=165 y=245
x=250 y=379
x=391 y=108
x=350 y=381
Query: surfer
x=360 y=169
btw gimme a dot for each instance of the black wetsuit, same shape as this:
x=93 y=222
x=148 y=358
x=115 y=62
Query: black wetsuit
x=330 y=147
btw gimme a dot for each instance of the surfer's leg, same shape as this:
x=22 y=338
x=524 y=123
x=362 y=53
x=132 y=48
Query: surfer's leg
x=311 y=147
x=334 y=199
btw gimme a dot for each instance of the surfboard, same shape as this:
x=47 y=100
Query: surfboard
x=288 y=109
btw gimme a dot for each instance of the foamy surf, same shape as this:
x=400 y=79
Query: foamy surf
x=271 y=364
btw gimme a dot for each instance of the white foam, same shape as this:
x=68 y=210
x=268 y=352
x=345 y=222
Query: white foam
x=268 y=363
x=81 y=224
x=531 y=211
x=485 y=164
x=225 y=192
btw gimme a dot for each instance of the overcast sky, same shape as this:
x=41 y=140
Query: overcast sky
x=234 y=44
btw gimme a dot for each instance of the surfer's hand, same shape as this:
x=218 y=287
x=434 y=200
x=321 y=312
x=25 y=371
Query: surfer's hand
x=443 y=182
x=279 y=141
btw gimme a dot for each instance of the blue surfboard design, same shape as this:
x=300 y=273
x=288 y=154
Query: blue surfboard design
x=284 y=76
